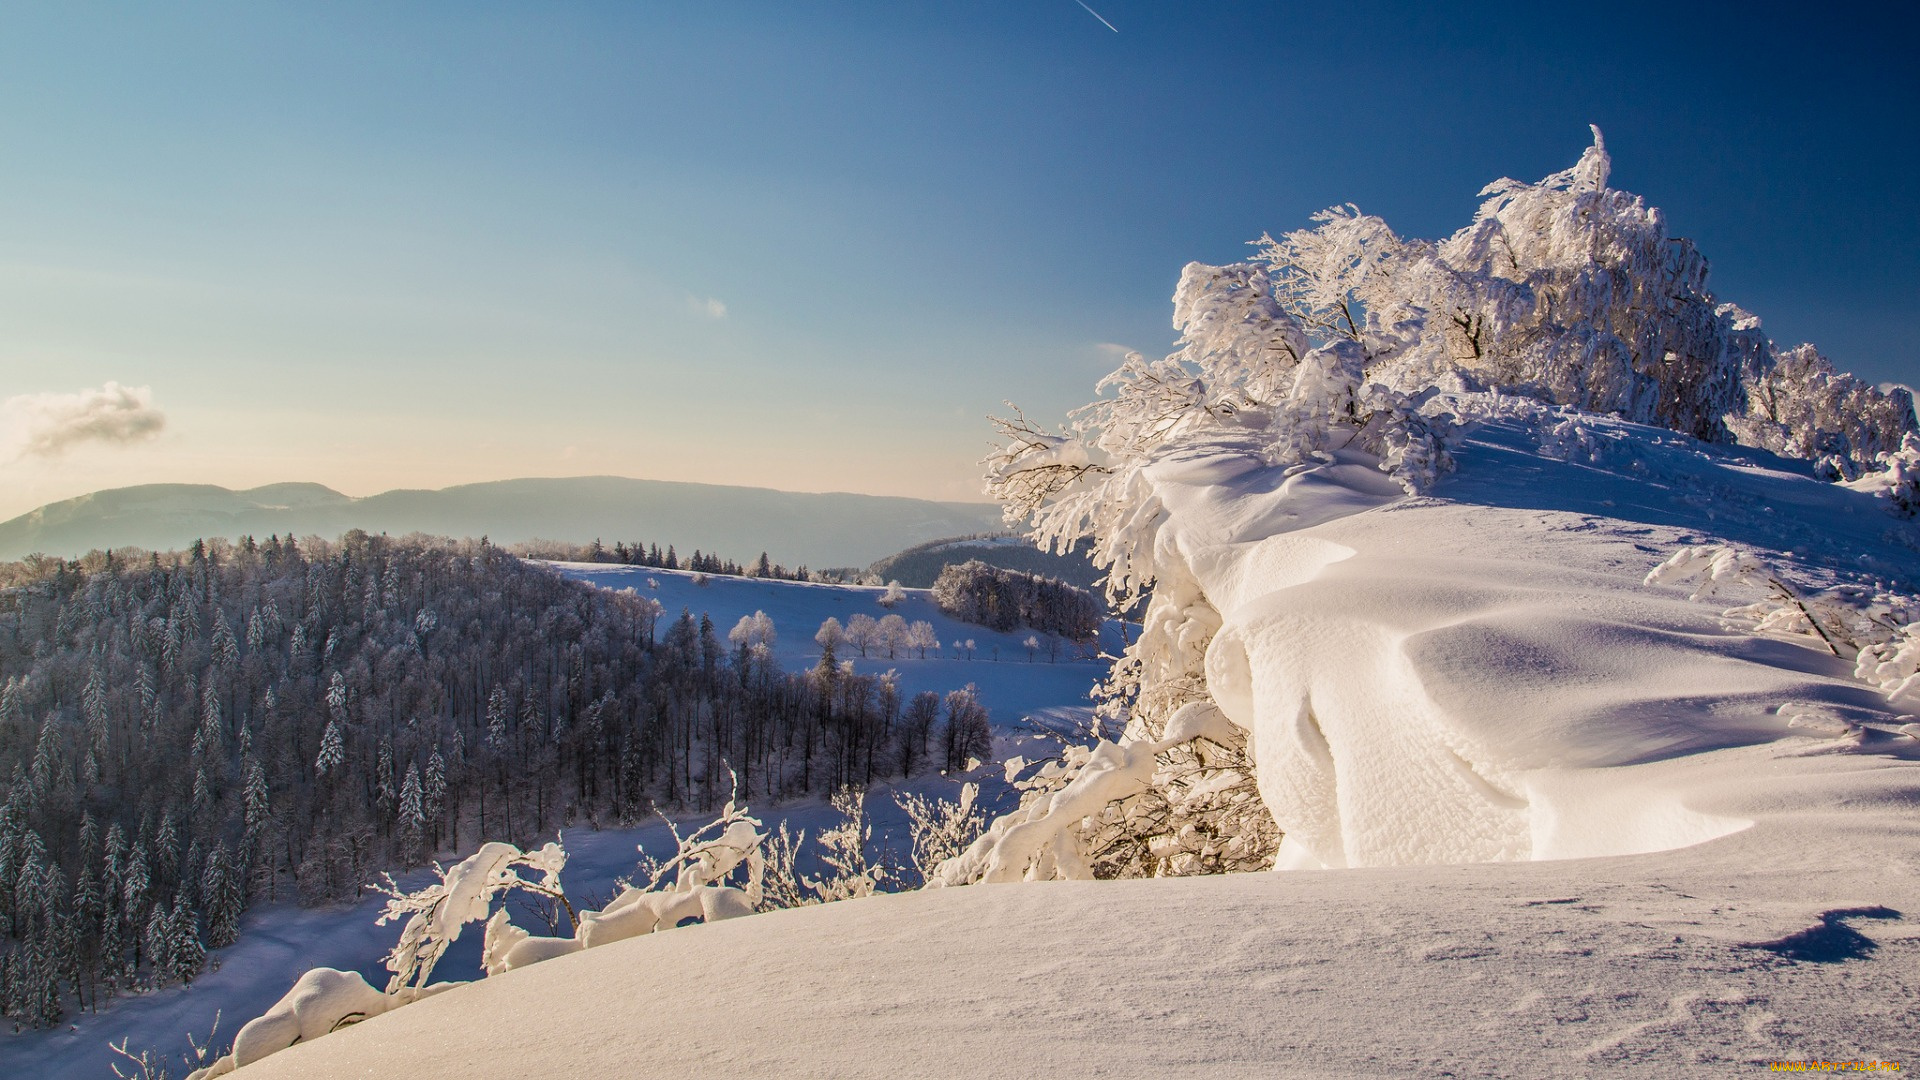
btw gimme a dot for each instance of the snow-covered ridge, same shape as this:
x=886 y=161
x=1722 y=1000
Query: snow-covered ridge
x=1482 y=674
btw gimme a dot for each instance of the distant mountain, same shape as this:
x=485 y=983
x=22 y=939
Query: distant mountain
x=918 y=566
x=831 y=529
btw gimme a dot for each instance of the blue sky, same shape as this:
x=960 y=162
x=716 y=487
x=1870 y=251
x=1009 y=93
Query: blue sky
x=810 y=245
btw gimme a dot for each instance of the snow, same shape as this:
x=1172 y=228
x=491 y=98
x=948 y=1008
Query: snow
x=1543 y=817
x=1485 y=676
x=1638 y=966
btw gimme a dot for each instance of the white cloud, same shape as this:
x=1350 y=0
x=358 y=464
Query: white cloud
x=47 y=425
x=1888 y=388
x=707 y=307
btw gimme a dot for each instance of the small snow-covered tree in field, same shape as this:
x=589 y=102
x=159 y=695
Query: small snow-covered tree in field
x=892 y=634
x=753 y=631
x=894 y=593
x=861 y=632
x=921 y=637
x=830 y=636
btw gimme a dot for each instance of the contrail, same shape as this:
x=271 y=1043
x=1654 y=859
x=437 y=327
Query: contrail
x=1097 y=15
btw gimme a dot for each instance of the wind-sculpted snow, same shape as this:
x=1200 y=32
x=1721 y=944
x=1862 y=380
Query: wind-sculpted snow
x=1471 y=676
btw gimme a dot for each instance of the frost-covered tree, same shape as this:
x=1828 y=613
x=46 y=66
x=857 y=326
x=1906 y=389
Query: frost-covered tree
x=861 y=632
x=753 y=631
x=892 y=633
x=968 y=734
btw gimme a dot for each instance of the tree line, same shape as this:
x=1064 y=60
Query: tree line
x=640 y=554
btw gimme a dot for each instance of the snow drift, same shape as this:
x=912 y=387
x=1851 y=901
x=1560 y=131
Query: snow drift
x=1485 y=675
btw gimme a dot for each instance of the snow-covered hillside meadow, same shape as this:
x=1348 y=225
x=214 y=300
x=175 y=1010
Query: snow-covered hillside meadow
x=280 y=941
x=1014 y=682
x=1693 y=879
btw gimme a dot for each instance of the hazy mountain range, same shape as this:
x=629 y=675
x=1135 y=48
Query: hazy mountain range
x=795 y=528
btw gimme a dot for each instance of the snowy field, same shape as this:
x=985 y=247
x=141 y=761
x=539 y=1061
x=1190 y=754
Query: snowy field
x=1589 y=826
x=1014 y=682
x=1634 y=967
x=279 y=941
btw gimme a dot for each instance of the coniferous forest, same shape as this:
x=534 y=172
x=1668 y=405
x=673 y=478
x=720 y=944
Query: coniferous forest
x=182 y=735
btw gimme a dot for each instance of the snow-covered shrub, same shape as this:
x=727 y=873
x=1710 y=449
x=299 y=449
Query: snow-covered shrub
x=435 y=915
x=1897 y=479
x=691 y=884
x=1135 y=808
x=1893 y=665
x=846 y=872
x=940 y=828
x=1801 y=407
x=1878 y=631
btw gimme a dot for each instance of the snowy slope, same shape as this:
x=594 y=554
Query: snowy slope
x=1013 y=684
x=1628 y=967
x=1583 y=838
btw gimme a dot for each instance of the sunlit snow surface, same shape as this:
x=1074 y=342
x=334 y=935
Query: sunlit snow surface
x=1483 y=674
x=1432 y=683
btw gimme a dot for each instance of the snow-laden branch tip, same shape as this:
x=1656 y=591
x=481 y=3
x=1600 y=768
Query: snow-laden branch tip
x=1879 y=632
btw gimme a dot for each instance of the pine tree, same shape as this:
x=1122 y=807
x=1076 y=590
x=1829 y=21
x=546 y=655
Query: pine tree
x=223 y=897
x=412 y=815
x=158 y=940
x=333 y=749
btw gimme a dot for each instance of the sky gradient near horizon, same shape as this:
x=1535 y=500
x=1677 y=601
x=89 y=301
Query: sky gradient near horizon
x=810 y=245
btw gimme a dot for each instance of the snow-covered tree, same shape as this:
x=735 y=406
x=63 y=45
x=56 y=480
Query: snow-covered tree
x=753 y=631
x=921 y=637
x=892 y=633
x=861 y=632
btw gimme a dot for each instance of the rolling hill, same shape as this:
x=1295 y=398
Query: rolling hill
x=814 y=529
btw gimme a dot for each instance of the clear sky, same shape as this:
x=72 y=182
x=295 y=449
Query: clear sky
x=810 y=245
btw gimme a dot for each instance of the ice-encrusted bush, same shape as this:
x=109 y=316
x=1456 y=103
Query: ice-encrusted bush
x=1177 y=805
x=1878 y=631
x=696 y=882
x=846 y=873
x=728 y=868
x=1345 y=342
x=1897 y=478
x=940 y=828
